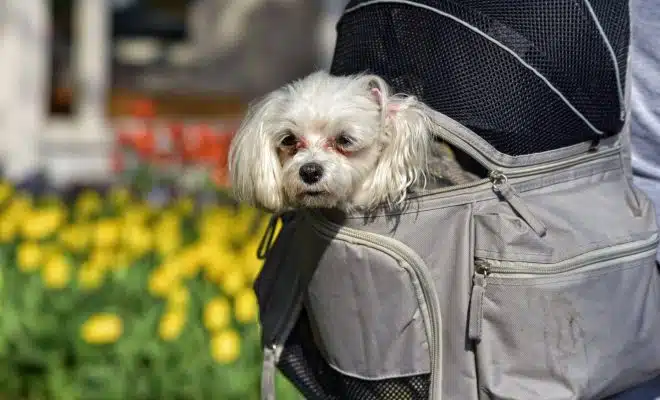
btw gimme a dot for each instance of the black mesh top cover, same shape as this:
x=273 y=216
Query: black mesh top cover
x=526 y=75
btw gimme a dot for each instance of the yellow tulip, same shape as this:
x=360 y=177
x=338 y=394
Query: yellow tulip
x=110 y=259
x=206 y=250
x=88 y=204
x=233 y=281
x=246 y=215
x=168 y=220
x=246 y=308
x=119 y=196
x=50 y=250
x=102 y=328
x=43 y=223
x=226 y=346
x=107 y=233
x=252 y=269
x=6 y=190
x=215 y=225
x=8 y=230
x=90 y=277
x=19 y=206
x=189 y=261
x=167 y=241
x=161 y=281
x=251 y=247
x=137 y=238
x=56 y=272
x=28 y=256
x=250 y=263
x=244 y=222
x=171 y=325
x=101 y=258
x=136 y=214
x=217 y=314
x=75 y=237
x=218 y=262
x=172 y=264
x=178 y=298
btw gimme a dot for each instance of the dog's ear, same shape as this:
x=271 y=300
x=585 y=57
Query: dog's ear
x=380 y=93
x=254 y=168
x=407 y=143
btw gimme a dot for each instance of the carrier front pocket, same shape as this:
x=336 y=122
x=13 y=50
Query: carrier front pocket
x=543 y=331
x=373 y=316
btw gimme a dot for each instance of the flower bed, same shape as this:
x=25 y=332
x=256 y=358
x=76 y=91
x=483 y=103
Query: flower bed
x=111 y=298
x=188 y=154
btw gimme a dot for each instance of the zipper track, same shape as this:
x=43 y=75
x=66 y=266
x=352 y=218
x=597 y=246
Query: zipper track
x=580 y=262
x=562 y=164
x=332 y=230
x=516 y=172
x=465 y=142
x=487 y=269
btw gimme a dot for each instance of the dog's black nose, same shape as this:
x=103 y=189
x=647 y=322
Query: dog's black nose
x=311 y=172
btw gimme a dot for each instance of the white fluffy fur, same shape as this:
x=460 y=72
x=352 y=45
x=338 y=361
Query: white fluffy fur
x=390 y=142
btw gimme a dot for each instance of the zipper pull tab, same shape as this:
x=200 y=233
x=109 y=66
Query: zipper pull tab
x=268 y=371
x=502 y=187
x=481 y=272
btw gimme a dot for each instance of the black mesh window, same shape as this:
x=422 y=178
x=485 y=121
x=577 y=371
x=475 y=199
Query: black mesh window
x=302 y=363
x=495 y=92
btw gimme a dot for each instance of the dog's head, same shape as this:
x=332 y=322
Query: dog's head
x=326 y=142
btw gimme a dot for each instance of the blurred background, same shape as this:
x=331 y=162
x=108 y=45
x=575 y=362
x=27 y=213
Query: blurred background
x=126 y=267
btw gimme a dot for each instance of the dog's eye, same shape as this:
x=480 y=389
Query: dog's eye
x=289 y=140
x=343 y=140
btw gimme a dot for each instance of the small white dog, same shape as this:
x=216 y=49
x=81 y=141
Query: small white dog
x=332 y=142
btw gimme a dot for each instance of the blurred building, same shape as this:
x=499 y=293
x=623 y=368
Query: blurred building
x=72 y=66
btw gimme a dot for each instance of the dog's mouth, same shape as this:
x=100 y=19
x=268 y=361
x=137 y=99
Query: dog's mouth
x=314 y=193
x=315 y=199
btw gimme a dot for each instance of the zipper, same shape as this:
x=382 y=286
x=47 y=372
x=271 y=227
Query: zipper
x=466 y=143
x=475 y=312
x=499 y=175
x=580 y=262
x=597 y=259
x=519 y=172
x=590 y=155
x=418 y=267
x=271 y=356
x=500 y=181
x=503 y=189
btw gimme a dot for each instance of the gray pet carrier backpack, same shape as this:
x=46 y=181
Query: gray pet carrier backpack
x=537 y=281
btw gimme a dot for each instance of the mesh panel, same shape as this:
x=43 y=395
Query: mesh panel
x=302 y=363
x=468 y=77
